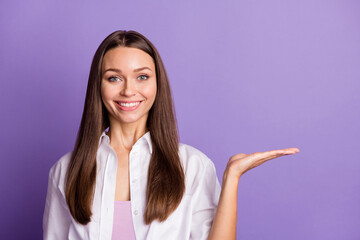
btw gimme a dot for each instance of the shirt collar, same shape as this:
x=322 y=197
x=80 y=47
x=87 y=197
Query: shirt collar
x=146 y=137
x=104 y=137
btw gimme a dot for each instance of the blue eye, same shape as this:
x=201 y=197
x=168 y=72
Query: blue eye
x=113 y=79
x=143 y=77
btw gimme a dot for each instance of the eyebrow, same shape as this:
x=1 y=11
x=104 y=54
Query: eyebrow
x=135 y=70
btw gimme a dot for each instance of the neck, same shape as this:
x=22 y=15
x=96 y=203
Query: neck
x=124 y=136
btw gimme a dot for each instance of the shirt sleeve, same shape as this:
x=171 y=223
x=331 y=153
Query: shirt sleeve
x=56 y=219
x=205 y=203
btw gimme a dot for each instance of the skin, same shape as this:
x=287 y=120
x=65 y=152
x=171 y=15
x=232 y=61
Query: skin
x=123 y=81
x=128 y=74
x=224 y=224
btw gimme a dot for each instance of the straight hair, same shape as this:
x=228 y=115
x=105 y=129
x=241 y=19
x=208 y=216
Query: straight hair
x=166 y=178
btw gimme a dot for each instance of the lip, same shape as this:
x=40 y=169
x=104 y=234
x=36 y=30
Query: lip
x=117 y=103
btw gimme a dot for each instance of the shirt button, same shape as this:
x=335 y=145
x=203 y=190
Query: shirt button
x=136 y=212
x=133 y=181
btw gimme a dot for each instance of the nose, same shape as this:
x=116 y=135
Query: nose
x=129 y=89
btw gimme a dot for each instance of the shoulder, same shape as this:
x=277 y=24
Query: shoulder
x=193 y=157
x=58 y=171
x=198 y=168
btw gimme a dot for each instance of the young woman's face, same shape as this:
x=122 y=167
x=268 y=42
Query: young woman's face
x=128 y=87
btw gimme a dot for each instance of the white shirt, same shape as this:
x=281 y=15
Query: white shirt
x=191 y=220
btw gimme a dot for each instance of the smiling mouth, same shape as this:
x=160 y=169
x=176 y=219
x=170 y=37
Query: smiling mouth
x=127 y=104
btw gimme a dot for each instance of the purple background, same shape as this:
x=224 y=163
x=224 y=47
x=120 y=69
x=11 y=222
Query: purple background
x=246 y=76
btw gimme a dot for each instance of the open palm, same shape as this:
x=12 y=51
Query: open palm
x=241 y=162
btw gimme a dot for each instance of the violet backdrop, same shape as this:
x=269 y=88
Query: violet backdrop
x=246 y=76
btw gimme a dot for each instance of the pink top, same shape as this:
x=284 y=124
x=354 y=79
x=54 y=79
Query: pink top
x=123 y=227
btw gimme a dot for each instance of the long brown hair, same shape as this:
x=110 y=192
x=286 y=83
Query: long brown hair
x=166 y=179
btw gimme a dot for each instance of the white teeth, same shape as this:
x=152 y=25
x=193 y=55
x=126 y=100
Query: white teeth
x=129 y=104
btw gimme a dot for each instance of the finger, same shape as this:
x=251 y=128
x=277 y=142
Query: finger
x=284 y=151
x=258 y=158
x=265 y=156
x=259 y=162
x=291 y=150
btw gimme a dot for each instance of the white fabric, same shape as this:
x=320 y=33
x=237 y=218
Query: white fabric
x=191 y=220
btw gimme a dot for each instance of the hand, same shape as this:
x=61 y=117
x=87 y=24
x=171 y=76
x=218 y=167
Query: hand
x=241 y=163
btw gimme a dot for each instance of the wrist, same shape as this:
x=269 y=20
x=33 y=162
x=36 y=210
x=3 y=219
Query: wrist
x=231 y=174
x=230 y=178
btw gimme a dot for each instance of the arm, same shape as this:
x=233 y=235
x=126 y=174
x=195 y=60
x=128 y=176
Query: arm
x=205 y=201
x=56 y=219
x=224 y=225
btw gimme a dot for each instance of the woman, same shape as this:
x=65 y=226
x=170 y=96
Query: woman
x=128 y=176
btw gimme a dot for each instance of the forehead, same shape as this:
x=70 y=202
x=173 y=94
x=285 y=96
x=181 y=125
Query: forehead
x=127 y=58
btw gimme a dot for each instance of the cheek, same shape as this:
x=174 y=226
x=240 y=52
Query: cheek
x=103 y=96
x=106 y=98
x=106 y=93
x=150 y=92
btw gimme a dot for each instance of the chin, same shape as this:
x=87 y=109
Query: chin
x=131 y=120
